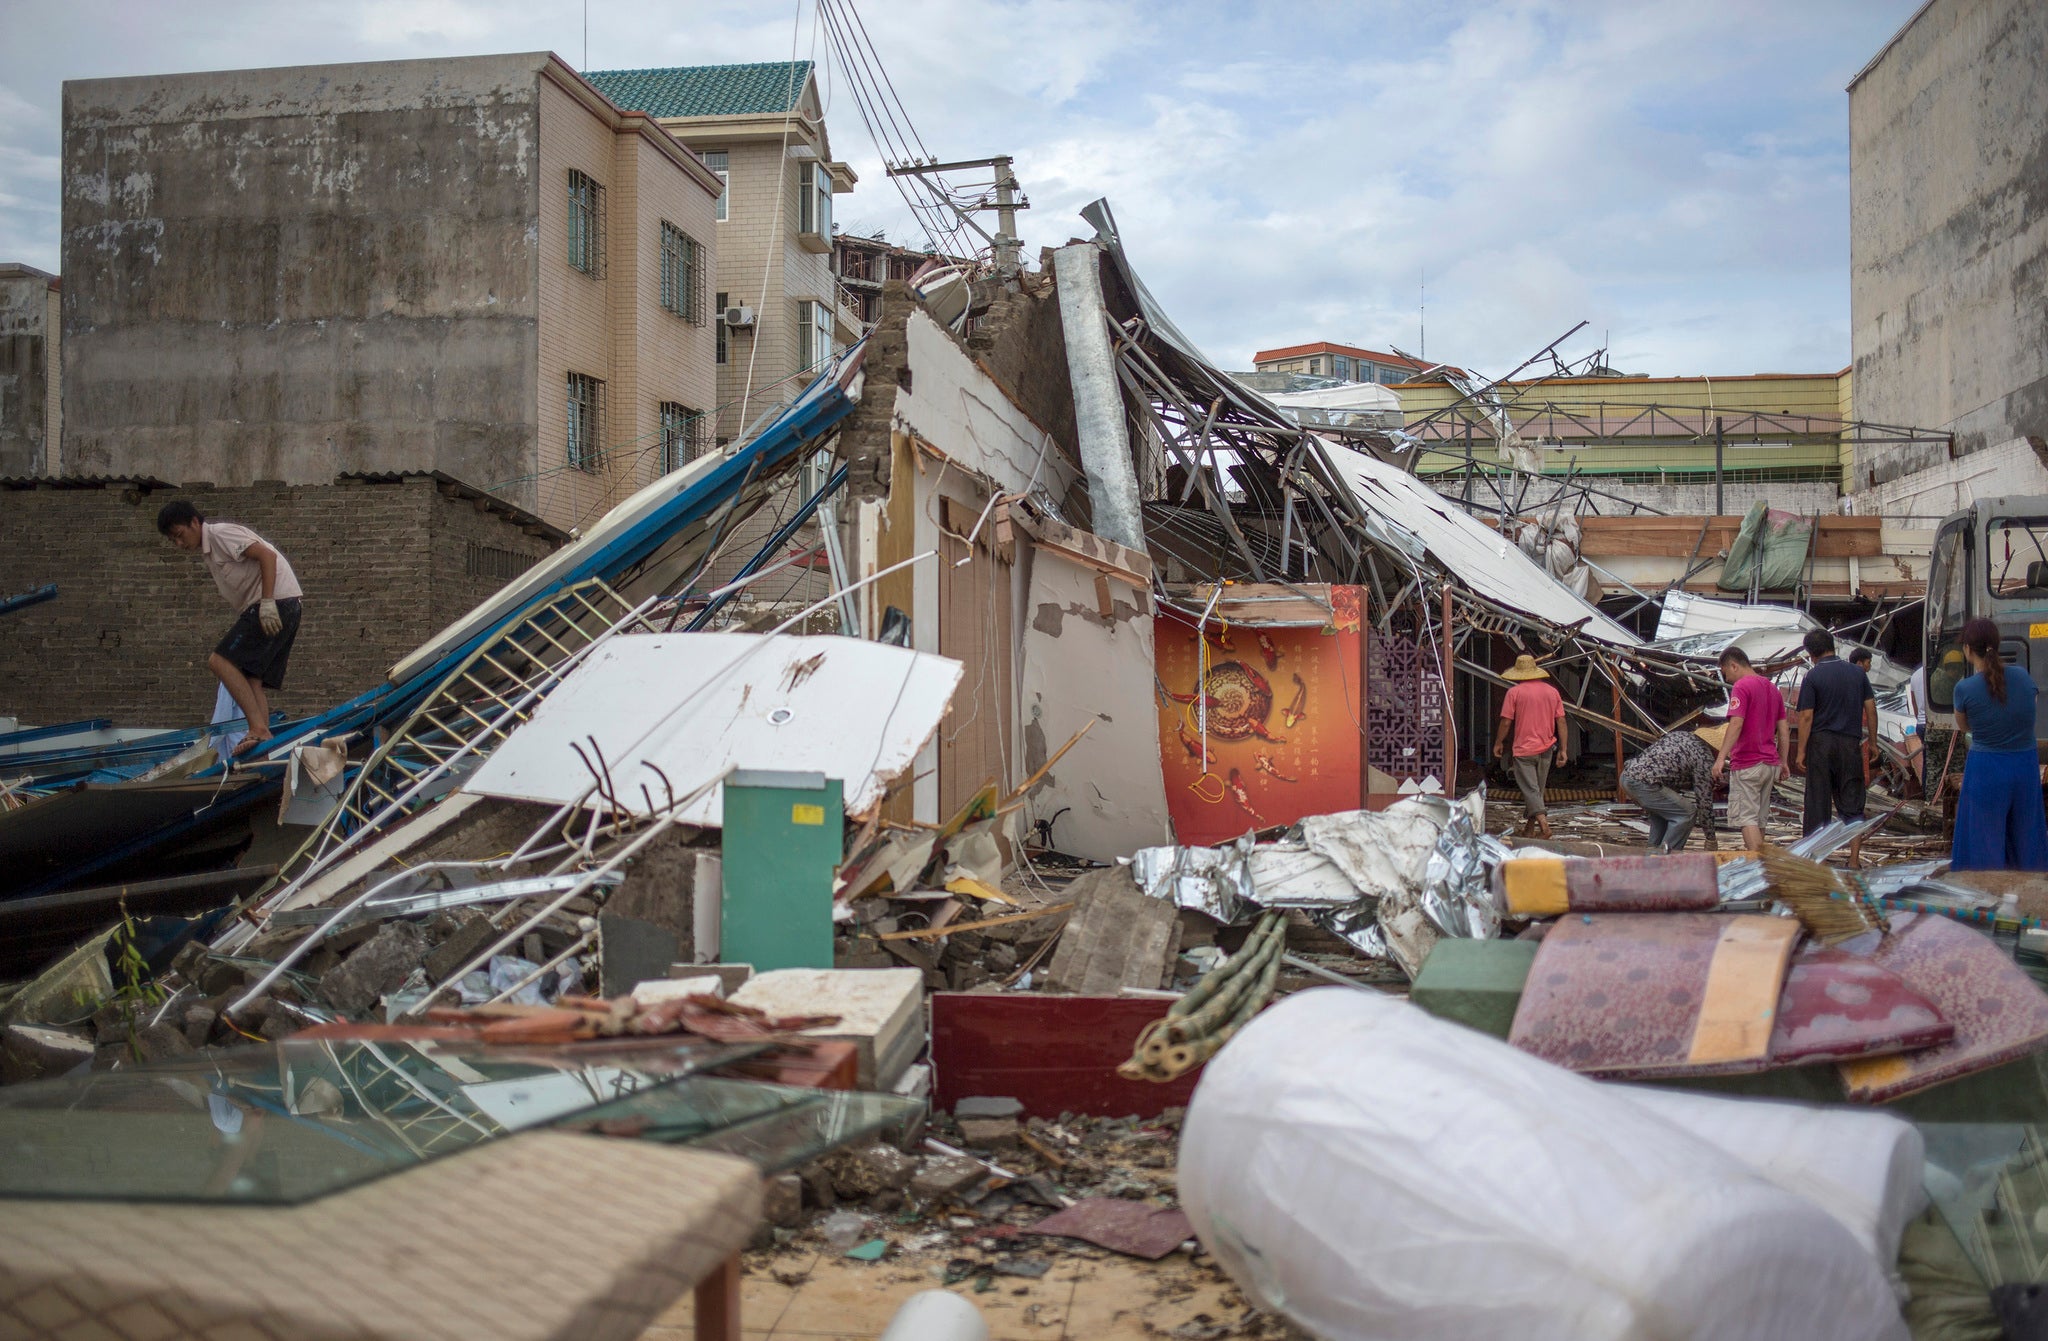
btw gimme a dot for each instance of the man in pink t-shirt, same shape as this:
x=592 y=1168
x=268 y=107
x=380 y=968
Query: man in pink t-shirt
x=1532 y=722
x=1754 y=746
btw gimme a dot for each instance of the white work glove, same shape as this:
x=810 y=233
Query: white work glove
x=267 y=616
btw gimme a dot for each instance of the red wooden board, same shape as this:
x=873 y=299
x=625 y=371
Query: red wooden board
x=1053 y=1054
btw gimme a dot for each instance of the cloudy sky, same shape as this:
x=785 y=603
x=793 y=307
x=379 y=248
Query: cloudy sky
x=1672 y=172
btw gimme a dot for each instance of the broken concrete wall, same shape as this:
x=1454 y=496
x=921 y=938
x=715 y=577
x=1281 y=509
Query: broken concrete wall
x=1948 y=184
x=28 y=345
x=1088 y=656
x=266 y=281
x=384 y=566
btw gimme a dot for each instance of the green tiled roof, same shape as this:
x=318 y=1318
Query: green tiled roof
x=705 y=90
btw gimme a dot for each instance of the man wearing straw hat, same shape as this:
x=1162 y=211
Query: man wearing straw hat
x=1532 y=724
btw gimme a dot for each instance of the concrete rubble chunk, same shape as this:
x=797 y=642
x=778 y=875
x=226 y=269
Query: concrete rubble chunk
x=199 y=1021
x=988 y=1106
x=461 y=947
x=378 y=966
x=782 y=1200
x=989 y=1133
x=161 y=1042
x=1118 y=937
x=860 y=1174
x=34 y=1052
x=945 y=1176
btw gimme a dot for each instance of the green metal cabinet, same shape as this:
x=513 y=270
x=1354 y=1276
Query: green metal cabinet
x=781 y=845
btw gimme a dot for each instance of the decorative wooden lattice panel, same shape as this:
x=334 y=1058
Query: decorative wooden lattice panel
x=1404 y=704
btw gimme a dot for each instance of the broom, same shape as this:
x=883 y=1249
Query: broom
x=1831 y=905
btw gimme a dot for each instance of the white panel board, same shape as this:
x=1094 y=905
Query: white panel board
x=1108 y=793
x=693 y=705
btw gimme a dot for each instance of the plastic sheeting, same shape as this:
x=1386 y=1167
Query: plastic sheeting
x=1772 y=540
x=1862 y=1168
x=1370 y=1171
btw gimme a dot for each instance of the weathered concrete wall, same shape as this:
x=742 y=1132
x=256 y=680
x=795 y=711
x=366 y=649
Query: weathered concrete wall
x=1948 y=152
x=384 y=566
x=26 y=346
x=288 y=274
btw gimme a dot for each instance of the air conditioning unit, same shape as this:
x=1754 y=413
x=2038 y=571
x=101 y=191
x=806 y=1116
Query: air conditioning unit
x=739 y=316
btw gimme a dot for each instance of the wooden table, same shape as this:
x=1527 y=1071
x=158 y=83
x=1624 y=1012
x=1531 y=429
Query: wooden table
x=537 y=1235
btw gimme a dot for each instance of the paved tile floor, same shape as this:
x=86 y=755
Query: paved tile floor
x=1079 y=1299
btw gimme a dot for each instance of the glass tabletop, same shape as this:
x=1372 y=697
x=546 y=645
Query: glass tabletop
x=281 y=1123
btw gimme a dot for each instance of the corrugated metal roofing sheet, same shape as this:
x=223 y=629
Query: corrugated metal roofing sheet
x=766 y=87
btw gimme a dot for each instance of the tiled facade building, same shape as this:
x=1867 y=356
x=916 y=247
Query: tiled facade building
x=761 y=127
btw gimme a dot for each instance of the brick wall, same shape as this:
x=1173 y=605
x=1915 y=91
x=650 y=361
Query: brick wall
x=384 y=566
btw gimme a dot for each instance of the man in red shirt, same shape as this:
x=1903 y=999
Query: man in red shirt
x=1753 y=748
x=1532 y=723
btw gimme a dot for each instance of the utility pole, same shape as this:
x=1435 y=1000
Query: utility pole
x=1005 y=243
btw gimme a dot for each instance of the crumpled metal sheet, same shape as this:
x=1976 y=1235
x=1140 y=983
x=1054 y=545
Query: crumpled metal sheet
x=1390 y=883
x=1212 y=880
x=1457 y=883
x=1358 y=926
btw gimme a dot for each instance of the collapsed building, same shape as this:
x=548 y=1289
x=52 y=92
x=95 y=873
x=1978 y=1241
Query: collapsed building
x=1133 y=694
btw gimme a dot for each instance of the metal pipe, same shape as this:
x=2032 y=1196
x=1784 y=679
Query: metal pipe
x=1099 y=417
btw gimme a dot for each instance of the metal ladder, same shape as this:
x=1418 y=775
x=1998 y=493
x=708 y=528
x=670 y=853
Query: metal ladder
x=470 y=713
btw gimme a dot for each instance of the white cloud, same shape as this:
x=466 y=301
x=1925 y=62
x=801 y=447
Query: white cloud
x=1674 y=174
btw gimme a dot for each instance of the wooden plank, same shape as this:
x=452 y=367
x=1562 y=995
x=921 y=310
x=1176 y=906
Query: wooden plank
x=1673 y=537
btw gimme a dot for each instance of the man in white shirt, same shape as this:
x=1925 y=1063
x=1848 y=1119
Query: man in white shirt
x=259 y=584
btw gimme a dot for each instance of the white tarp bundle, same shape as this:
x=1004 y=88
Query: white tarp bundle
x=1371 y=1171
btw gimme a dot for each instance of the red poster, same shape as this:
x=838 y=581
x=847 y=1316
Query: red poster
x=1260 y=726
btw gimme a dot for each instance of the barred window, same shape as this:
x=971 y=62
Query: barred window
x=683 y=436
x=682 y=274
x=500 y=565
x=721 y=327
x=586 y=421
x=586 y=224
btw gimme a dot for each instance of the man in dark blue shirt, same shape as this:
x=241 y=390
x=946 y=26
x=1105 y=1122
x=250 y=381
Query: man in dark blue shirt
x=1837 y=725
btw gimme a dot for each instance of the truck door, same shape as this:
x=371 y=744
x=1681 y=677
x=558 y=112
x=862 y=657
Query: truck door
x=2016 y=578
x=1948 y=608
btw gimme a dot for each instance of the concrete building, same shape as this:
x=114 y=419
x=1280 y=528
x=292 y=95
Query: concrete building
x=1346 y=363
x=1948 y=238
x=474 y=266
x=1650 y=440
x=761 y=128
x=31 y=411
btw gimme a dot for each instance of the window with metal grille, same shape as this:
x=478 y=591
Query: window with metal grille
x=721 y=327
x=500 y=565
x=719 y=161
x=586 y=224
x=586 y=421
x=682 y=274
x=683 y=437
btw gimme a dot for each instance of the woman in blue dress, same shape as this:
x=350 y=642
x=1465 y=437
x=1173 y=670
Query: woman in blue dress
x=2001 y=824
